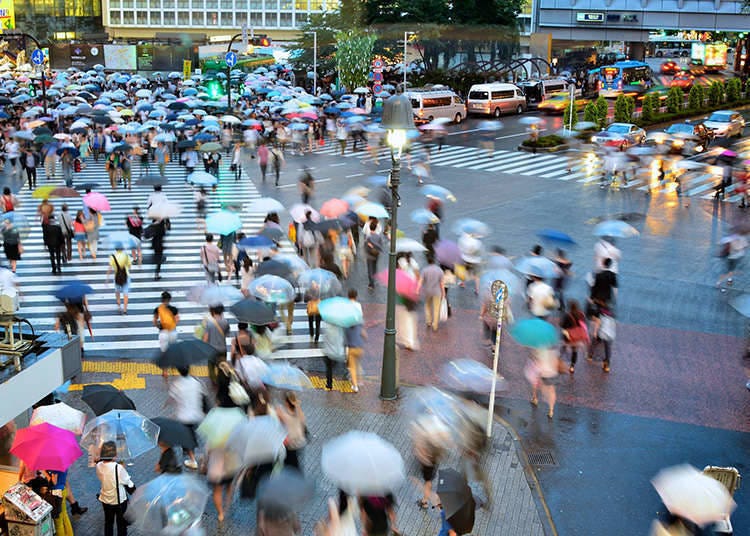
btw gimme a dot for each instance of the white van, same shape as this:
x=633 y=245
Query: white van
x=538 y=90
x=495 y=99
x=431 y=103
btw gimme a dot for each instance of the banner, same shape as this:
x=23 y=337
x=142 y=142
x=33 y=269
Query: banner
x=7 y=15
x=187 y=67
x=85 y=56
x=120 y=57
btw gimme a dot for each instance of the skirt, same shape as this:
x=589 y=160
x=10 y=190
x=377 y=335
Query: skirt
x=11 y=251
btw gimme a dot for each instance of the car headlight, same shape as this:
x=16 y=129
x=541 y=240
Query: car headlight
x=678 y=143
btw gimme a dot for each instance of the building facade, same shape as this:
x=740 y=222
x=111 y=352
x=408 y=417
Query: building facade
x=143 y=18
x=58 y=19
x=632 y=20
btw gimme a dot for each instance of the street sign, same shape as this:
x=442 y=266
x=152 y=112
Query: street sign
x=37 y=57
x=231 y=59
x=244 y=37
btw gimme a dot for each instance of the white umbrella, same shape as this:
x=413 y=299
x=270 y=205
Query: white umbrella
x=689 y=164
x=60 y=415
x=362 y=90
x=167 y=209
x=230 y=119
x=257 y=440
x=690 y=494
x=265 y=205
x=168 y=504
x=615 y=228
x=362 y=463
x=409 y=244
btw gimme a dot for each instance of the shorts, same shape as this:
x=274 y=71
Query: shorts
x=124 y=289
x=552 y=380
x=428 y=472
x=80 y=237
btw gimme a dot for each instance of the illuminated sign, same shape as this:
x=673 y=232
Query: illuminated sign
x=590 y=17
x=7 y=15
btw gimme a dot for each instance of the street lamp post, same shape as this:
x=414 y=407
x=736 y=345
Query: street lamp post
x=406 y=37
x=229 y=73
x=397 y=119
x=315 y=63
x=42 y=76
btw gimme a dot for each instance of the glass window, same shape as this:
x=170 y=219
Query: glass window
x=169 y=18
x=240 y=18
x=212 y=4
x=226 y=4
x=301 y=5
x=330 y=5
x=316 y=5
x=115 y=17
x=183 y=18
x=256 y=19
x=141 y=4
x=285 y=5
x=183 y=4
x=155 y=18
x=212 y=18
x=271 y=21
x=128 y=17
x=142 y=18
x=256 y=4
x=197 y=18
x=198 y=4
x=128 y=4
x=240 y=5
x=226 y=18
x=272 y=5
x=479 y=95
x=285 y=20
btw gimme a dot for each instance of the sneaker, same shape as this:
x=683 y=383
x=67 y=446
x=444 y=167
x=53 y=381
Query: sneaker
x=605 y=367
x=355 y=388
x=190 y=464
x=572 y=369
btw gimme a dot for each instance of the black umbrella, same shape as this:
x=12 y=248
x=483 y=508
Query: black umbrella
x=5 y=100
x=40 y=131
x=253 y=312
x=453 y=490
x=274 y=233
x=102 y=398
x=186 y=144
x=152 y=180
x=87 y=186
x=287 y=489
x=277 y=268
x=185 y=353
x=175 y=433
x=325 y=226
x=175 y=105
x=463 y=521
x=102 y=119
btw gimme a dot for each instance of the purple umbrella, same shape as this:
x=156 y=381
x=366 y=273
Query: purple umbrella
x=447 y=252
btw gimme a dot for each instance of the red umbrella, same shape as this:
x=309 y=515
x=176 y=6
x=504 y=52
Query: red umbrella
x=97 y=201
x=333 y=208
x=46 y=447
x=406 y=285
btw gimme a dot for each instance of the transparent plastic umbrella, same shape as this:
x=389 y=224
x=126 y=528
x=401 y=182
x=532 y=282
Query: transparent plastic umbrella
x=60 y=415
x=422 y=216
x=257 y=440
x=288 y=377
x=433 y=401
x=319 y=283
x=265 y=205
x=215 y=294
x=471 y=226
x=164 y=210
x=372 y=210
x=272 y=289
x=133 y=433
x=122 y=240
x=615 y=228
x=252 y=369
x=168 y=504
x=467 y=375
x=223 y=222
x=218 y=425
x=538 y=267
x=363 y=463
x=409 y=245
x=294 y=262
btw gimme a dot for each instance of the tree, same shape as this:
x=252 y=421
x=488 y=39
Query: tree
x=734 y=88
x=602 y=109
x=326 y=25
x=624 y=106
x=675 y=99
x=570 y=116
x=353 y=57
x=696 y=98
x=716 y=93
x=647 y=108
x=590 y=113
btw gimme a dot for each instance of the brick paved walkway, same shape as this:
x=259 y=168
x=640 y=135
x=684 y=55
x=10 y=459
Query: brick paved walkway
x=514 y=510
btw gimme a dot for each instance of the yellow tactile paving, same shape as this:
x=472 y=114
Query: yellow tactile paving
x=129 y=375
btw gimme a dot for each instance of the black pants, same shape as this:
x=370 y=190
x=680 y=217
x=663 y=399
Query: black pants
x=68 y=248
x=292 y=459
x=115 y=514
x=607 y=348
x=329 y=371
x=158 y=260
x=277 y=171
x=31 y=176
x=314 y=319
x=372 y=266
x=55 y=258
x=263 y=168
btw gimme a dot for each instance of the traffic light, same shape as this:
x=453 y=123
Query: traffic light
x=261 y=41
x=32 y=89
x=215 y=89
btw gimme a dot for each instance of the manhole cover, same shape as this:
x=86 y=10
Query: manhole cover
x=541 y=457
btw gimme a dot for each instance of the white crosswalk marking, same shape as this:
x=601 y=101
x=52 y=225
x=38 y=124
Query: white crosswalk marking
x=134 y=336
x=555 y=166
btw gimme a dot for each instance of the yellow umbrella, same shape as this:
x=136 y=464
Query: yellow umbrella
x=127 y=113
x=35 y=123
x=218 y=425
x=43 y=192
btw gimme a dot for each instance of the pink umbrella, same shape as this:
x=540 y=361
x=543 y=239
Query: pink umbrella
x=406 y=285
x=447 y=252
x=333 y=208
x=46 y=447
x=360 y=111
x=97 y=201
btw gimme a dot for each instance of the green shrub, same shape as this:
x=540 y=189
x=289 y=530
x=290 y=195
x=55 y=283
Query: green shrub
x=696 y=98
x=675 y=100
x=747 y=88
x=545 y=141
x=647 y=107
x=590 y=113
x=570 y=116
x=624 y=107
x=602 y=109
x=734 y=89
x=716 y=93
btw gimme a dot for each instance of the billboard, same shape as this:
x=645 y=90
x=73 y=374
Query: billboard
x=7 y=15
x=716 y=55
x=120 y=57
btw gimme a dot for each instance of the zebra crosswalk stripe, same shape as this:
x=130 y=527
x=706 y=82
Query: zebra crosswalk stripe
x=134 y=335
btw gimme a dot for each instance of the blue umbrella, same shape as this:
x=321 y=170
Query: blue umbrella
x=742 y=304
x=556 y=236
x=438 y=192
x=423 y=216
x=471 y=226
x=340 y=312
x=201 y=178
x=73 y=291
x=223 y=222
x=538 y=267
x=372 y=210
x=256 y=241
x=534 y=333
x=615 y=228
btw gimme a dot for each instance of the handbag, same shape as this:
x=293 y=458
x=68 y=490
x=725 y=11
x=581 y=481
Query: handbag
x=579 y=334
x=607 y=329
x=443 y=310
x=237 y=392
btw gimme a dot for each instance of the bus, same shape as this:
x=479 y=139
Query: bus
x=625 y=78
x=666 y=47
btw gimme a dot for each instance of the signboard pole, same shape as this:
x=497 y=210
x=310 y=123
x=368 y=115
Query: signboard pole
x=244 y=38
x=315 y=63
x=500 y=291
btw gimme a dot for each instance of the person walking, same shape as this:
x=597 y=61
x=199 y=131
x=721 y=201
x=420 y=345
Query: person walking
x=135 y=228
x=66 y=222
x=540 y=298
x=161 y=157
x=50 y=160
x=59 y=488
x=312 y=297
x=374 y=244
x=306 y=186
x=30 y=160
x=431 y=286
x=227 y=250
x=354 y=337
x=115 y=481
x=561 y=281
x=732 y=250
x=575 y=333
x=54 y=241
x=112 y=165
x=119 y=263
x=428 y=451
x=276 y=157
x=263 y=160
x=605 y=249
x=210 y=255
x=236 y=164
x=166 y=317
x=293 y=418
x=12 y=244
x=341 y=135
x=157 y=231
x=79 y=232
x=542 y=371
x=215 y=333
x=186 y=395
x=91 y=225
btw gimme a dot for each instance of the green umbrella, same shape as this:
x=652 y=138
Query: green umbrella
x=210 y=147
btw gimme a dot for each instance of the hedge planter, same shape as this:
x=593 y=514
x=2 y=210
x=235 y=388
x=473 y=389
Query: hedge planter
x=544 y=144
x=536 y=149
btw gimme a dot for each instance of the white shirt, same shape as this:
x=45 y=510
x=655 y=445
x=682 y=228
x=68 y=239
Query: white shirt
x=541 y=298
x=156 y=198
x=105 y=472
x=187 y=393
x=471 y=249
x=12 y=149
x=604 y=250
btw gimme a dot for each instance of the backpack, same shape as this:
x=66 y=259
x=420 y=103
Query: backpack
x=121 y=275
x=166 y=318
x=8 y=203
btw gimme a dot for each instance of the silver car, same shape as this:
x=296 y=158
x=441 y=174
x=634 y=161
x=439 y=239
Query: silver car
x=725 y=123
x=619 y=134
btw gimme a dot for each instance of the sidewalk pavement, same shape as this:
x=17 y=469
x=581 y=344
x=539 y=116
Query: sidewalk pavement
x=515 y=508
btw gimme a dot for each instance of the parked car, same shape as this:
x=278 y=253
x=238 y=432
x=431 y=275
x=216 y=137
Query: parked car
x=557 y=102
x=725 y=123
x=670 y=67
x=619 y=135
x=683 y=80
